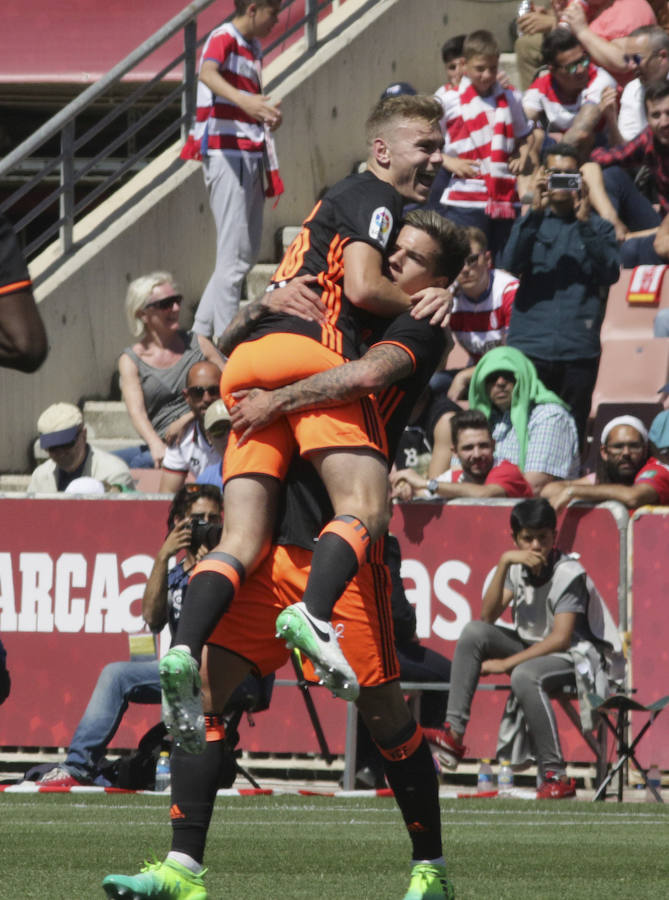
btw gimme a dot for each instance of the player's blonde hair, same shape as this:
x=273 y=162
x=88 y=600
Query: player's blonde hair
x=139 y=294
x=404 y=106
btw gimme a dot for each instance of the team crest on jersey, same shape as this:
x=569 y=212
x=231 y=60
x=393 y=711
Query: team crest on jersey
x=381 y=225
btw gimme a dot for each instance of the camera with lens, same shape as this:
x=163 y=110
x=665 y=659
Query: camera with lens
x=203 y=532
x=564 y=181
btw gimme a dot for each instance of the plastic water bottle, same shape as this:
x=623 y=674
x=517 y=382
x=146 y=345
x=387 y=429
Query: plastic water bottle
x=485 y=777
x=655 y=779
x=163 y=772
x=504 y=776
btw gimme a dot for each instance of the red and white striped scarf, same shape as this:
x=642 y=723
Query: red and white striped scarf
x=471 y=137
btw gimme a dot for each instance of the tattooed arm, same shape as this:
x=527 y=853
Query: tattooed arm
x=294 y=298
x=381 y=366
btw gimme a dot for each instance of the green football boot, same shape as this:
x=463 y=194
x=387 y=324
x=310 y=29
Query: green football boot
x=168 y=880
x=429 y=882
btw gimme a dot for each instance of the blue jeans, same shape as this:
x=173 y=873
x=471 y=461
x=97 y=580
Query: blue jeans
x=640 y=252
x=119 y=683
x=135 y=457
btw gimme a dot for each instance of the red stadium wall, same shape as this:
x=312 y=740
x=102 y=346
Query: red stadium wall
x=72 y=574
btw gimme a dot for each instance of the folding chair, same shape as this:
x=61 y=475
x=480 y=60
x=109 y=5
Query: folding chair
x=623 y=705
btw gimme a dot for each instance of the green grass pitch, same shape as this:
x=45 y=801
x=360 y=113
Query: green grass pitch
x=284 y=847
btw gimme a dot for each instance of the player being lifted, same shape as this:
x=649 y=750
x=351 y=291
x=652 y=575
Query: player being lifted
x=344 y=245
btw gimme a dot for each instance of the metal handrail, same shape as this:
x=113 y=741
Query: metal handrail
x=70 y=170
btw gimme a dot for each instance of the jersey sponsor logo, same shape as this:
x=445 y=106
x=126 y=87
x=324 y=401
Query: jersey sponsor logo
x=381 y=225
x=646 y=476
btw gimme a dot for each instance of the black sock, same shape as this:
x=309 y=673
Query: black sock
x=411 y=774
x=195 y=780
x=213 y=584
x=341 y=548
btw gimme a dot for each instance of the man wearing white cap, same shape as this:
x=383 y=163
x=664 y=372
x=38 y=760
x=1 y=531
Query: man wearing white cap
x=63 y=435
x=629 y=474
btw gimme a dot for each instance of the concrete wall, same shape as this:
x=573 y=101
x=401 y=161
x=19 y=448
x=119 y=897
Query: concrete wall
x=324 y=106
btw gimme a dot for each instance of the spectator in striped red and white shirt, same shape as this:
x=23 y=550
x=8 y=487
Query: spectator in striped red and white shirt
x=486 y=146
x=482 y=306
x=231 y=136
x=573 y=96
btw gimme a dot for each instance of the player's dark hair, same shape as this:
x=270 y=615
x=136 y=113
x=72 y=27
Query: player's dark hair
x=557 y=41
x=534 y=513
x=480 y=43
x=655 y=91
x=187 y=496
x=561 y=149
x=402 y=106
x=452 y=240
x=452 y=48
x=468 y=418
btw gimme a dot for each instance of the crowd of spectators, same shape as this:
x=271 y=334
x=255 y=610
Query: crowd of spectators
x=554 y=187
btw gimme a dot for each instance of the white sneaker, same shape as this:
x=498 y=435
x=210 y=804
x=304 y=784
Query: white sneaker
x=317 y=640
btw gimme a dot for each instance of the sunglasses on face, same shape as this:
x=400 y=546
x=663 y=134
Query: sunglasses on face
x=165 y=303
x=197 y=392
x=572 y=68
x=472 y=259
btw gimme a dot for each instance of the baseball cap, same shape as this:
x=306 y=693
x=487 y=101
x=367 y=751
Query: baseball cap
x=59 y=424
x=659 y=430
x=397 y=88
x=216 y=418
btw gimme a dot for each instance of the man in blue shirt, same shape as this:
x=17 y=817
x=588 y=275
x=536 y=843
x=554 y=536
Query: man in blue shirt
x=566 y=257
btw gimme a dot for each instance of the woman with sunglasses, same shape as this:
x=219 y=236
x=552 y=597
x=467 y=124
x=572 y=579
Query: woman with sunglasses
x=153 y=370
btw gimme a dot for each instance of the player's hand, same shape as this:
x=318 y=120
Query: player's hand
x=433 y=303
x=494 y=667
x=254 y=409
x=297 y=299
x=260 y=107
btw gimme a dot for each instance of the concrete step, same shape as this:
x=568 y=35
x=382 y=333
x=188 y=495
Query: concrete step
x=118 y=443
x=10 y=484
x=258 y=279
x=108 y=419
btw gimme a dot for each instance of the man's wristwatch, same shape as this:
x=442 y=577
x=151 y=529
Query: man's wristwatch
x=432 y=486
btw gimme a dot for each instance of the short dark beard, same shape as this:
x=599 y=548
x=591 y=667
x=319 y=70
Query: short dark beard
x=612 y=475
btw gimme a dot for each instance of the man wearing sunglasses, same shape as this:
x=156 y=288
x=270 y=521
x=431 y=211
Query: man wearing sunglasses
x=647 y=57
x=63 y=435
x=572 y=88
x=192 y=453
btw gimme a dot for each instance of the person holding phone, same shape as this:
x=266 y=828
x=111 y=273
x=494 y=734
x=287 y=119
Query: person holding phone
x=565 y=257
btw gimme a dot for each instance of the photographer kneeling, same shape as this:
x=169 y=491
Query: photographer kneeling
x=194 y=526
